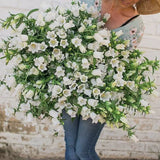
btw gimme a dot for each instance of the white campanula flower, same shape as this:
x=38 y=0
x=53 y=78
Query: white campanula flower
x=98 y=55
x=99 y=82
x=76 y=42
x=22 y=66
x=111 y=53
x=81 y=29
x=85 y=112
x=42 y=67
x=10 y=81
x=98 y=37
x=96 y=92
x=81 y=88
x=56 y=90
x=56 y=52
x=96 y=72
x=119 y=33
x=100 y=24
x=104 y=33
x=130 y=84
x=117 y=76
x=125 y=54
x=83 y=6
x=93 y=81
x=93 y=102
x=18 y=59
x=94 y=117
x=77 y=74
x=107 y=16
x=53 y=25
x=42 y=46
x=33 y=71
x=59 y=72
x=66 y=81
x=53 y=113
x=83 y=78
x=40 y=21
x=38 y=61
x=114 y=62
x=61 y=33
x=55 y=122
x=144 y=103
x=73 y=86
x=69 y=25
x=75 y=11
x=53 y=42
x=29 y=94
x=120 y=46
x=50 y=16
x=71 y=113
x=105 y=96
x=88 y=92
x=33 y=47
x=75 y=66
x=85 y=64
x=120 y=82
x=64 y=43
x=67 y=92
x=51 y=35
x=93 y=46
x=82 y=49
x=120 y=69
x=82 y=101
x=93 y=11
x=61 y=20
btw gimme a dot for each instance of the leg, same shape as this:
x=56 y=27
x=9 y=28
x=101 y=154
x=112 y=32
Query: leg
x=70 y=131
x=88 y=134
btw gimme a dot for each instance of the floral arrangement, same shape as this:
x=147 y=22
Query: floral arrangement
x=66 y=59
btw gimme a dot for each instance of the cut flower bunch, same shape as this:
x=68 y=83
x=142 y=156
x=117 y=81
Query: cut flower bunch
x=64 y=58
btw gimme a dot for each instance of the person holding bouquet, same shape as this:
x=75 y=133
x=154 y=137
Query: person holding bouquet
x=81 y=135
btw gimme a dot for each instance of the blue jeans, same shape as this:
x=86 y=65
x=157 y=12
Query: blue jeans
x=80 y=138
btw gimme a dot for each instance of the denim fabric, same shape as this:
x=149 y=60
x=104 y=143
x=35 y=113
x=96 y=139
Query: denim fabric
x=80 y=138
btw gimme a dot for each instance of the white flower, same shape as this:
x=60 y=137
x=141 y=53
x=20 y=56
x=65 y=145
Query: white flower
x=114 y=62
x=120 y=69
x=56 y=52
x=33 y=71
x=83 y=78
x=53 y=113
x=106 y=16
x=75 y=11
x=51 y=35
x=85 y=112
x=98 y=37
x=67 y=92
x=77 y=75
x=73 y=86
x=97 y=72
x=130 y=84
x=96 y=92
x=88 y=92
x=66 y=81
x=53 y=42
x=64 y=43
x=82 y=101
x=69 y=25
x=76 y=42
x=29 y=94
x=56 y=90
x=81 y=29
x=42 y=67
x=81 y=88
x=85 y=63
x=59 y=72
x=75 y=66
x=144 y=103
x=55 y=122
x=10 y=81
x=50 y=16
x=93 y=11
x=61 y=33
x=120 y=46
x=94 y=117
x=40 y=21
x=105 y=96
x=33 y=47
x=21 y=66
x=105 y=33
x=61 y=20
x=98 y=55
x=42 y=46
x=83 y=6
x=119 y=33
x=99 y=82
x=71 y=113
x=111 y=53
x=93 y=102
x=82 y=49
x=125 y=54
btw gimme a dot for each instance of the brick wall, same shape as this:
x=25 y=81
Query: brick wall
x=37 y=141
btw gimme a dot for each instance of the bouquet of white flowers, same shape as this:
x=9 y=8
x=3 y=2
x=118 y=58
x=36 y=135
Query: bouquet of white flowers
x=66 y=59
